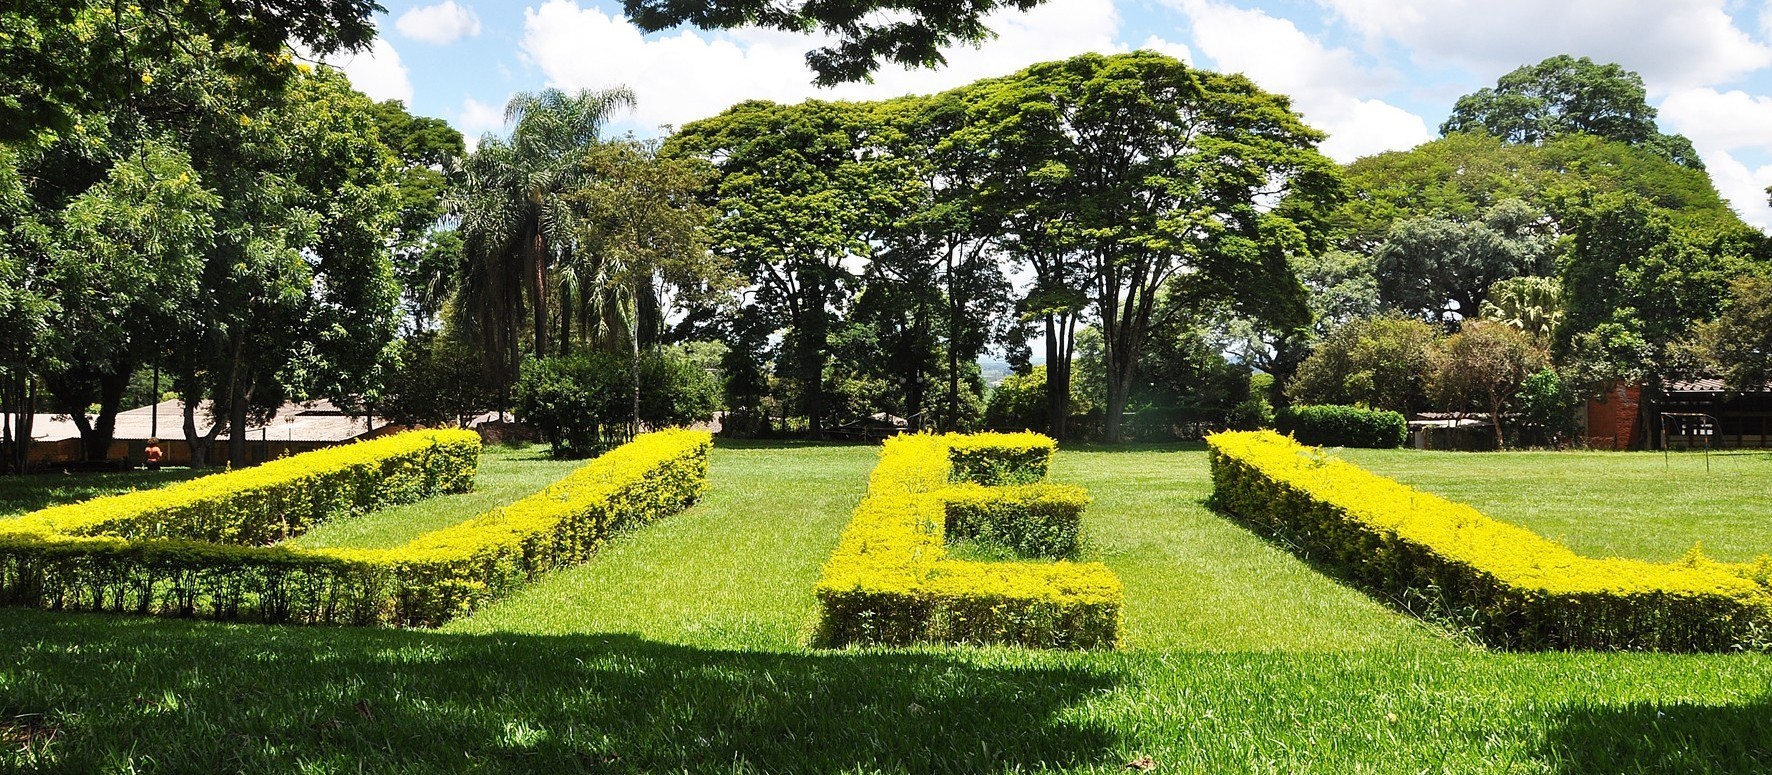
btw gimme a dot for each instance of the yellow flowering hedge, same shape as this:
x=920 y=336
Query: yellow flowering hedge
x=890 y=582
x=435 y=577
x=279 y=499
x=1510 y=586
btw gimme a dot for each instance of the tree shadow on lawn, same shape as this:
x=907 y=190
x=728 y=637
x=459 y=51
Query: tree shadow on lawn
x=1677 y=737
x=203 y=697
x=23 y=494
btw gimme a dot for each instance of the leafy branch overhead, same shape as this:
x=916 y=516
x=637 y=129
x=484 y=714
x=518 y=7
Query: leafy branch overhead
x=868 y=33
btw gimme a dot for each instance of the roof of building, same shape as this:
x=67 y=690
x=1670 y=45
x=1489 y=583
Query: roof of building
x=316 y=421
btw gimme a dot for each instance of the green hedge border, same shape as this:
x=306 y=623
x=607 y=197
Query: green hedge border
x=436 y=577
x=889 y=582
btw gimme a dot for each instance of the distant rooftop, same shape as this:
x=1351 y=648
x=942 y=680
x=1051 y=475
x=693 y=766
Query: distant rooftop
x=316 y=421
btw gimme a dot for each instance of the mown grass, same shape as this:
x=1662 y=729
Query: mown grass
x=1602 y=504
x=678 y=649
x=506 y=474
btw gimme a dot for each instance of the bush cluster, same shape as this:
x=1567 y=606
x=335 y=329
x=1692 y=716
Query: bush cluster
x=1331 y=425
x=433 y=578
x=1509 y=586
x=889 y=582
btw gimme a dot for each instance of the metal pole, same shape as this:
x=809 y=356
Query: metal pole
x=154 y=414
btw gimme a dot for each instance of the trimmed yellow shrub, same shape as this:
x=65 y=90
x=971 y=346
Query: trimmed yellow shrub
x=1512 y=587
x=426 y=582
x=280 y=499
x=1000 y=458
x=890 y=580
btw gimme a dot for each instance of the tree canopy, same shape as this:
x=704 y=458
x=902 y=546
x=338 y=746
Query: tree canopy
x=1563 y=95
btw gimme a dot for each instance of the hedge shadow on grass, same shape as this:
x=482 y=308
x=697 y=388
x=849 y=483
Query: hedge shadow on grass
x=202 y=697
x=1678 y=737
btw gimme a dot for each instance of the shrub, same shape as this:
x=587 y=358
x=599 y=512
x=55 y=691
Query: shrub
x=277 y=500
x=1509 y=586
x=577 y=401
x=1343 y=426
x=889 y=580
x=435 y=577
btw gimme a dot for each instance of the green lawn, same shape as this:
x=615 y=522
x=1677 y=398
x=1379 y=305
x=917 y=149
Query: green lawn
x=1627 y=504
x=678 y=649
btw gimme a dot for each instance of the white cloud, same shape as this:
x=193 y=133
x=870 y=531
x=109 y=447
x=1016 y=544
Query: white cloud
x=477 y=118
x=1724 y=126
x=1326 y=84
x=1675 y=44
x=442 y=24
x=377 y=72
x=691 y=74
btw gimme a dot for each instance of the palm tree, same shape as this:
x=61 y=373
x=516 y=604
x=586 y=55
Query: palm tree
x=515 y=220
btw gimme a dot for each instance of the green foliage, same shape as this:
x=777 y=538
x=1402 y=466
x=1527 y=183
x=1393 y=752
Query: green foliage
x=1485 y=366
x=1382 y=362
x=676 y=389
x=579 y=402
x=867 y=35
x=1030 y=520
x=1437 y=267
x=1737 y=345
x=1462 y=175
x=1343 y=426
x=1511 y=587
x=583 y=402
x=999 y=458
x=1530 y=303
x=437 y=381
x=1562 y=96
x=1634 y=284
x=67 y=60
x=1547 y=404
x=1020 y=401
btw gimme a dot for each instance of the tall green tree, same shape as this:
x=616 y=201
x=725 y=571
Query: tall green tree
x=1162 y=202
x=426 y=255
x=1634 y=284
x=792 y=202
x=515 y=219
x=1563 y=95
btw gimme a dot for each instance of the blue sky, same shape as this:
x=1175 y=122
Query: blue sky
x=1376 y=74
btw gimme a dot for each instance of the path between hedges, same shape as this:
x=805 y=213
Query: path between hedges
x=737 y=570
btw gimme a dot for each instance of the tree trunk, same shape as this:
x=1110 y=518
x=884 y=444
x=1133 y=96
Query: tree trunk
x=535 y=275
x=634 y=369
x=813 y=339
x=1495 y=420
x=565 y=320
x=1059 y=331
x=237 y=425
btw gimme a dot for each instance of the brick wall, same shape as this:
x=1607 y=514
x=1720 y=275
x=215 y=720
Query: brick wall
x=1612 y=420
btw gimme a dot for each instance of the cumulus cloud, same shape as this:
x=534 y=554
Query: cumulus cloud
x=1675 y=44
x=377 y=72
x=1724 y=126
x=1326 y=84
x=692 y=74
x=442 y=24
x=476 y=118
